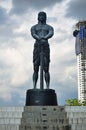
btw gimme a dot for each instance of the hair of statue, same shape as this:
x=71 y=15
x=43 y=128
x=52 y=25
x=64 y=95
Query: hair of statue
x=42 y=13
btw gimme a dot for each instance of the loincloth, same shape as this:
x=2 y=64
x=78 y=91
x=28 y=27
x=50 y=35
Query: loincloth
x=37 y=51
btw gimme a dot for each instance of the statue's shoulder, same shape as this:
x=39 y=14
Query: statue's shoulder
x=49 y=26
x=34 y=26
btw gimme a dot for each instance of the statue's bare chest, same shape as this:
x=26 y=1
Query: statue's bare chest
x=42 y=29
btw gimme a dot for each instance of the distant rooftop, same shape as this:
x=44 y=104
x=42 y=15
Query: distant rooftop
x=81 y=23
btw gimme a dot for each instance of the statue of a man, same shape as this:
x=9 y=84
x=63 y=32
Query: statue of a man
x=41 y=32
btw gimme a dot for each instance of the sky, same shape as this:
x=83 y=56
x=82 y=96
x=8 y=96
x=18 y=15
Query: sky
x=16 y=47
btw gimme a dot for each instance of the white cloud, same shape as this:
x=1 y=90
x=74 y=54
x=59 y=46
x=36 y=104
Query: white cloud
x=7 y=4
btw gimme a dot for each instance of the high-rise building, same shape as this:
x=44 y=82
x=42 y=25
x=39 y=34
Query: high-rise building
x=80 y=49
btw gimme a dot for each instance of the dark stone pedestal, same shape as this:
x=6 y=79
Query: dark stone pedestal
x=38 y=97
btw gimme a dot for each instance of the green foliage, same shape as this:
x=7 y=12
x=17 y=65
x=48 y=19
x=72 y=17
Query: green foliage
x=75 y=102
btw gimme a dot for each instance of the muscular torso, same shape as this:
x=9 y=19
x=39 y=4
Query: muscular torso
x=42 y=30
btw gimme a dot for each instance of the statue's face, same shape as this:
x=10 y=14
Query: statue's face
x=42 y=17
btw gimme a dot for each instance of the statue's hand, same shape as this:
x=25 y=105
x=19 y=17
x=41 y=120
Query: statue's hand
x=42 y=39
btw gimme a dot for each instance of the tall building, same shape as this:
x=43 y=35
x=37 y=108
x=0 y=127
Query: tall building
x=80 y=49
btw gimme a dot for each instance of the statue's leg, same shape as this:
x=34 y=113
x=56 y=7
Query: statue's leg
x=47 y=76
x=35 y=76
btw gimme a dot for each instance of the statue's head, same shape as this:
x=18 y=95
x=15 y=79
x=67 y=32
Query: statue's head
x=42 y=17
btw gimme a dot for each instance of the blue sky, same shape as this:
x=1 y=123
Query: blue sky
x=16 y=47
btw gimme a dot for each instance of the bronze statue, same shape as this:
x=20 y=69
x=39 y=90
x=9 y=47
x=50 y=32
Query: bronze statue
x=41 y=32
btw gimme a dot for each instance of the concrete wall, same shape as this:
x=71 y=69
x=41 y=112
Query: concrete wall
x=11 y=117
x=44 y=118
x=77 y=117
